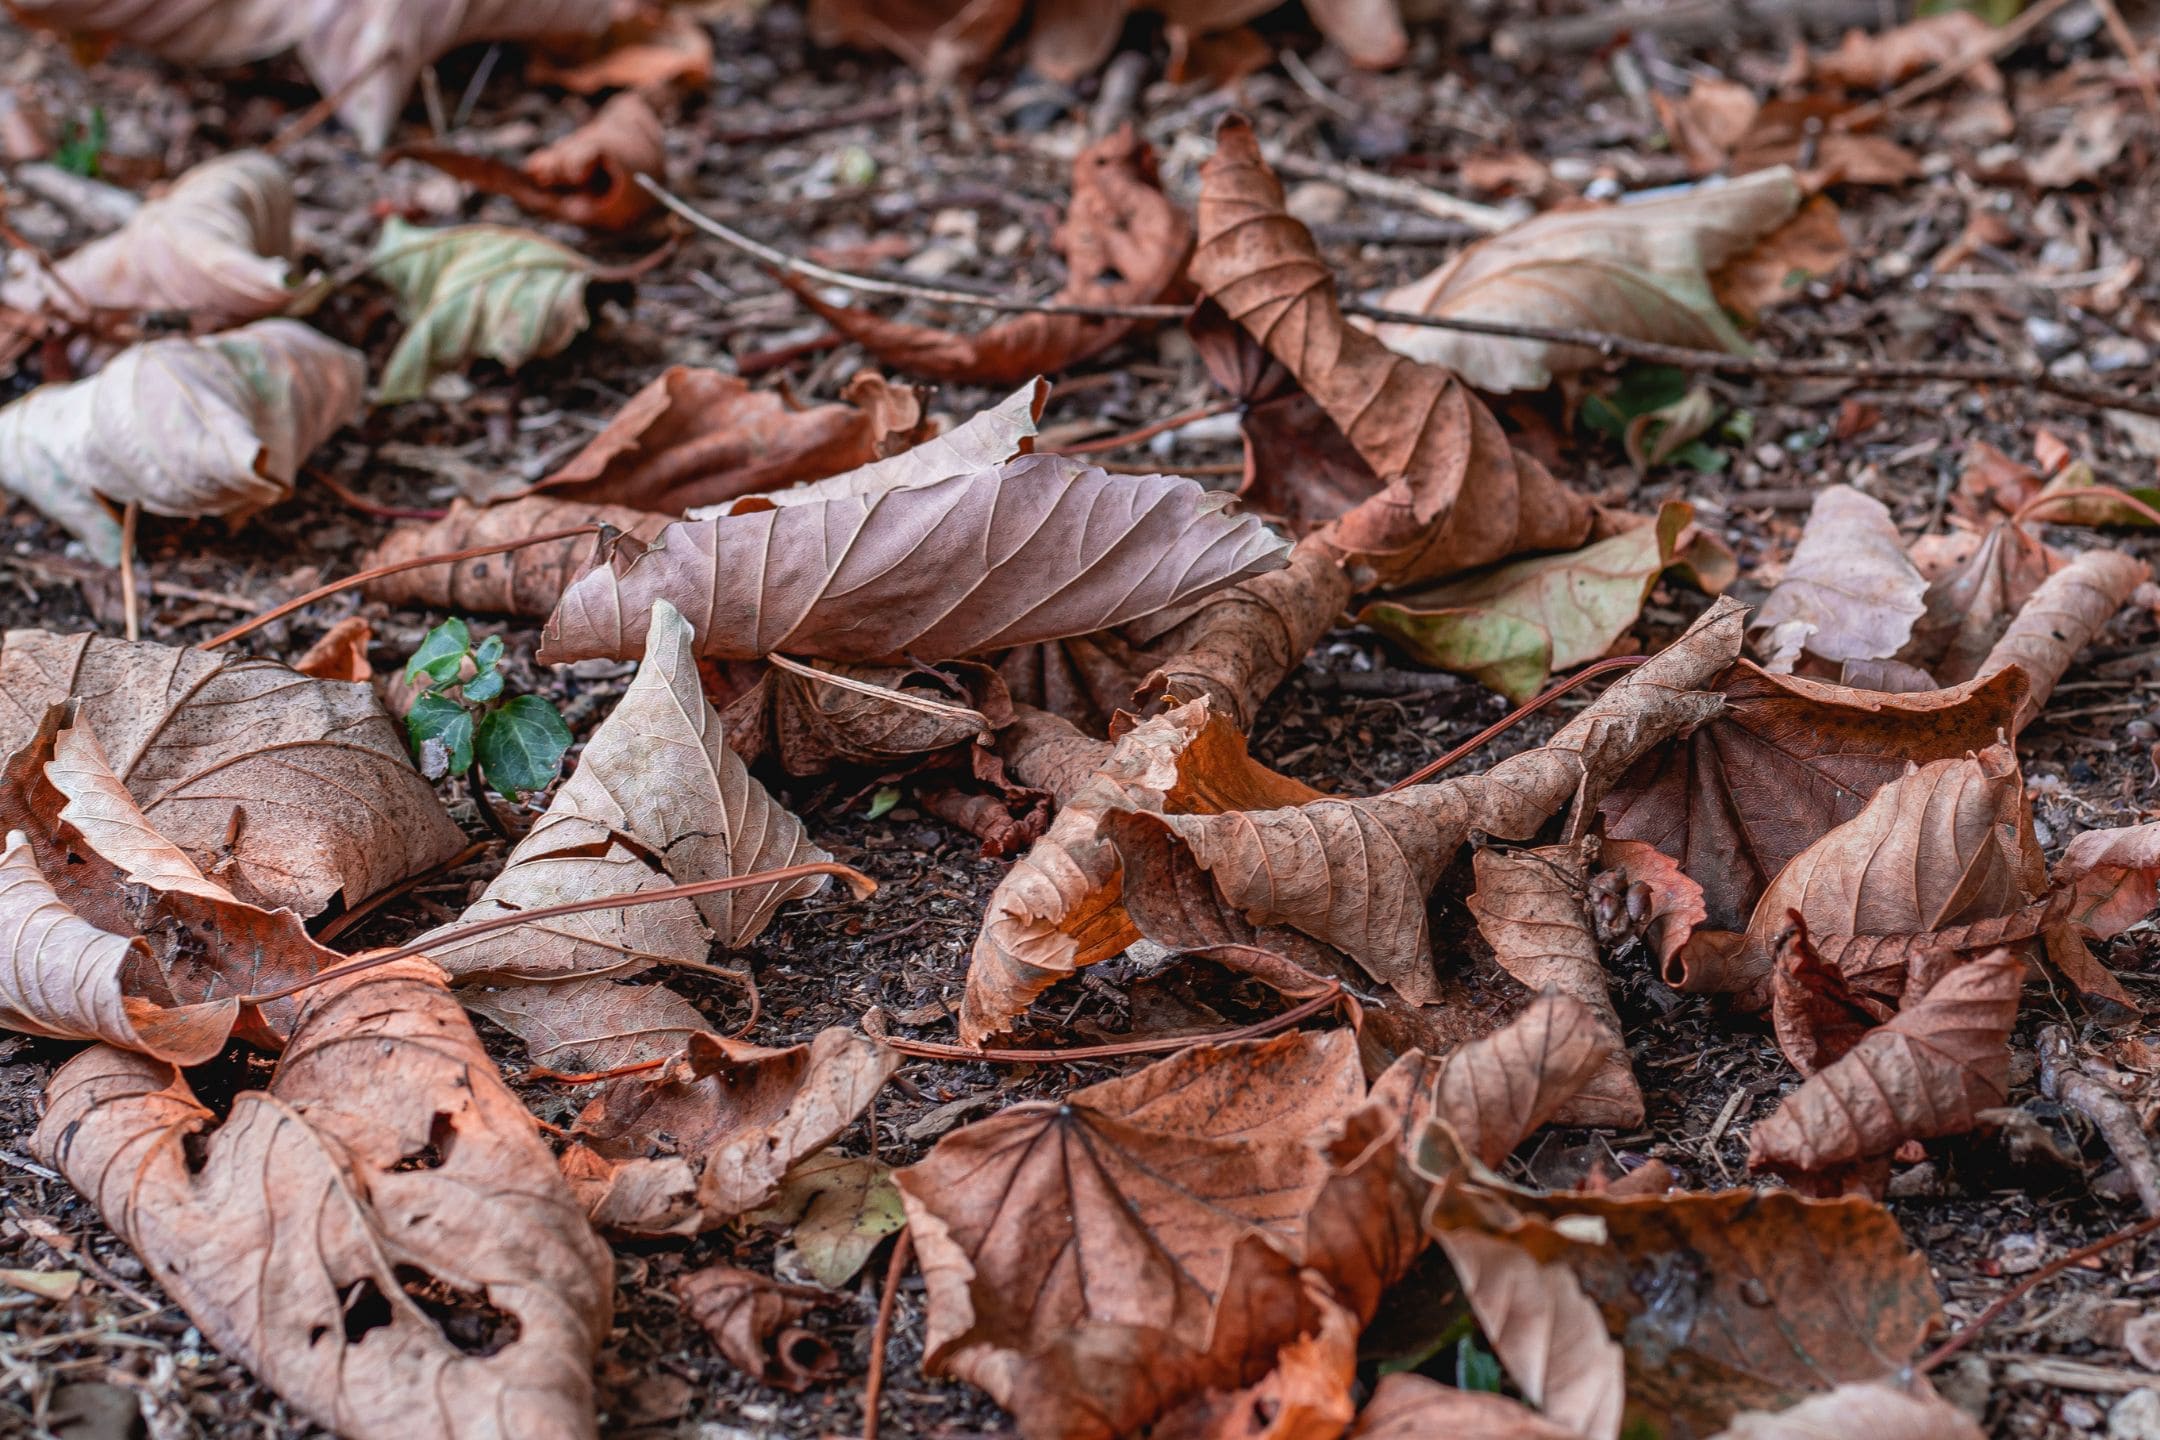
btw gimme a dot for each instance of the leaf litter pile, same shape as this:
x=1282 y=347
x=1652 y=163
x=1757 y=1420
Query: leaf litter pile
x=1219 y=722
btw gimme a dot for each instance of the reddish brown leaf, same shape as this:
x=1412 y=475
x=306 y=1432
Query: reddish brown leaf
x=1457 y=495
x=1407 y=1406
x=940 y=39
x=1879 y=60
x=586 y=178
x=2063 y=616
x=523 y=582
x=1124 y=243
x=2112 y=878
x=1926 y=1073
x=1305 y=1397
x=1971 y=604
x=757 y=1323
x=1814 y=1009
x=1067 y=39
x=1644 y=891
x=1495 y=1091
x=646 y=48
x=340 y=653
x=385 y=1154
x=1810 y=246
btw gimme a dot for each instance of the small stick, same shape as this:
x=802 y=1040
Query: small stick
x=1513 y=718
x=1485 y=219
x=128 y=605
x=1149 y=432
x=2064 y=1080
x=1925 y=85
x=557 y=1077
x=859 y=882
x=1934 y=1358
x=931 y=1050
x=757 y=362
x=309 y=119
x=903 y=1250
x=447 y=557
x=2119 y=31
x=334 y=928
x=365 y=506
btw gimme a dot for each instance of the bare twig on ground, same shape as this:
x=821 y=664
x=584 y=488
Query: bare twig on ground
x=2063 y=1079
x=2126 y=41
x=1513 y=718
x=931 y=1050
x=881 y=1334
x=1486 y=219
x=1934 y=1358
x=1922 y=86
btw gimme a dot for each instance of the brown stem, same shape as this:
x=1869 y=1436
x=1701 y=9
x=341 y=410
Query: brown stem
x=1149 y=432
x=304 y=125
x=2065 y=1081
x=931 y=1050
x=366 y=506
x=2085 y=492
x=589 y=1077
x=903 y=1250
x=1924 y=85
x=859 y=882
x=448 y=557
x=342 y=923
x=1513 y=718
x=1934 y=1358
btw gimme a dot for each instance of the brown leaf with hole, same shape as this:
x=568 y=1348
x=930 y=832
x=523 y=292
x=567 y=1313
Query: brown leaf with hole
x=939 y=39
x=1783 y=763
x=1407 y=1406
x=1355 y=874
x=1543 y=1329
x=1849 y=593
x=1124 y=243
x=1878 y=1410
x=1641 y=270
x=1457 y=495
x=1058 y=909
x=712 y=1134
x=700 y=437
x=529 y=581
x=1925 y=1074
x=587 y=178
x=757 y=1323
x=1969 y=605
x=1035 y=549
x=657 y=799
x=579 y=1026
x=2068 y=611
x=1532 y=908
x=290 y=791
x=385 y=1166
x=182 y=427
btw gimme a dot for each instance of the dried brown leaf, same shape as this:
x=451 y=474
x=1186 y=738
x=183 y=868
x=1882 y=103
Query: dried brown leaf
x=1879 y=60
x=1407 y=1406
x=1971 y=604
x=1124 y=243
x=1067 y=39
x=1037 y=549
x=940 y=39
x=1543 y=1329
x=581 y=1026
x=522 y=582
x=587 y=178
x=188 y=428
x=340 y=653
x=645 y=48
x=757 y=1323
x=1849 y=593
x=813 y=717
x=384 y=1154
x=2071 y=607
x=1494 y=1091
x=1306 y=1396
x=1457 y=495
x=1776 y=271
x=2112 y=878
x=1643 y=891
x=1879 y=1410
x=1817 y=1014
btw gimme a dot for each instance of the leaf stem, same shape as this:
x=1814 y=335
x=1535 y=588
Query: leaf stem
x=931 y=1050
x=2045 y=1273
x=1513 y=718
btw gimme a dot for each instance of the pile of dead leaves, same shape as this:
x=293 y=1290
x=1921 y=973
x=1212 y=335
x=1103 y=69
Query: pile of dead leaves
x=1065 y=659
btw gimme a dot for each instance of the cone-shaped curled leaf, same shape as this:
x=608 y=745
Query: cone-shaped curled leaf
x=472 y=292
x=217 y=426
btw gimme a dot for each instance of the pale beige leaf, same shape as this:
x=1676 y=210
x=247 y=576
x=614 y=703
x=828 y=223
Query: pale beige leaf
x=580 y=1026
x=2068 y=611
x=1641 y=269
x=1407 y=1406
x=1878 y=1411
x=385 y=1152
x=1544 y=1330
x=200 y=32
x=188 y=428
x=472 y=292
x=1849 y=593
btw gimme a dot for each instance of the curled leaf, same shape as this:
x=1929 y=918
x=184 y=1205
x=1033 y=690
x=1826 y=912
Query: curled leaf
x=757 y=1323
x=1849 y=593
x=2071 y=607
x=587 y=178
x=474 y=292
x=1542 y=1327
x=1970 y=604
x=526 y=581
x=1407 y=1406
x=2112 y=878
x=216 y=426
x=578 y=1026
x=1879 y=1410
x=812 y=718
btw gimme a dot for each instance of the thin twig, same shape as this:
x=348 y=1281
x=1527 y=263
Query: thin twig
x=1149 y=432
x=931 y=1050
x=1925 y=85
x=309 y=119
x=1605 y=343
x=2126 y=41
x=2032 y=1282
x=130 y=610
x=884 y=694
x=342 y=923
x=1513 y=718
x=2064 y=1080
x=356 y=501
x=903 y=1250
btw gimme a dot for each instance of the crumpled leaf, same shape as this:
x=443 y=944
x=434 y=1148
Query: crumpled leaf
x=1543 y=1329
x=657 y=799
x=939 y=39
x=713 y=1133
x=1355 y=874
x=1124 y=243
x=290 y=791
x=1817 y=1014
x=527 y=581
x=1510 y=628
x=756 y=1322
x=1642 y=891
x=1457 y=495
x=1058 y=909
x=1495 y=1090
x=385 y=1152
x=811 y=718
x=1877 y=60
x=1641 y=270
x=1927 y=1073
x=217 y=247
x=587 y=178
x=1532 y=908
x=1038 y=548
x=699 y=437
x=581 y=1026
x=1407 y=1406
x=2111 y=877
x=1969 y=605
x=1880 y=1410
x=188 y=428
x=2071 y=607
x=1068 y=39
x=837 y=1209
x=1304 y=1396
x=475 y=292
x=1849 y=593
x=1782 y=763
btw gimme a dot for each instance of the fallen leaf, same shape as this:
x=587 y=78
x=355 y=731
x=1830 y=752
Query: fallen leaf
x=1457 y=495
x=526 y=581
x=1925 y=1074
x=2111 y=878
x=837 y=1209
x=939 y=39
x=1641 y=270
x=291 y=792
x=217 y=248
x=1532 y=908
x=1306 y=1396
x=1777 y=269
x=2062 y=617
x=1543 y=1329
x=580 y=1026
x=1782 y=763
x=1653 y=897
x=1816 y=1013
x=1407 y=1406
x=1068 y=39
x=1968 y=606
x=700 y=437
x=587 y=178
x=1849 y=593
x=756 y=1322
x=811 y=718
x=188 y=428
x=1882 y=59
x=712 y=1134
x=475 y=292
x=1720 y=125
x=1495 y=1090
x=340 y=653
x=1879 y=1410
x=55 y=1285
x=644 y=48
x=1355 y=874
x=1036 y=549
x=657 y=799
x=1510 y=628
x=385 y=1154
x=1124 y=243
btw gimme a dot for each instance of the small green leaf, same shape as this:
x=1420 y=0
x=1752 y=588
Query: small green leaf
x=489 y=655
x=521 y=746
x=887 y=796
x=441 y=654
x=484 y=687
x=439 y=718
x=83 y=146
x=1475 y=1367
